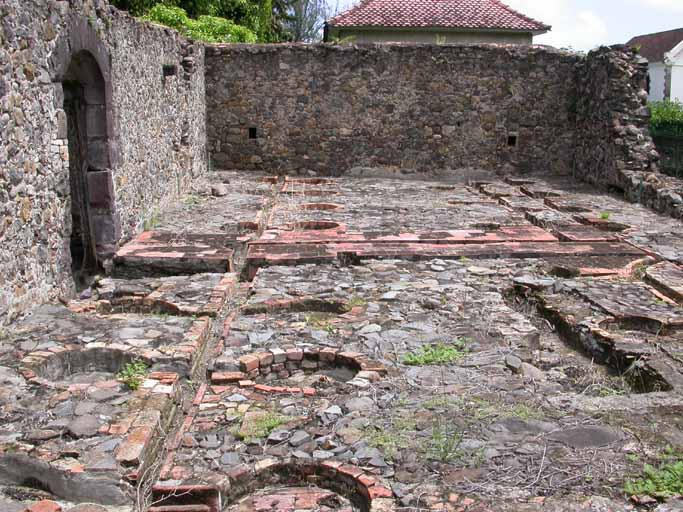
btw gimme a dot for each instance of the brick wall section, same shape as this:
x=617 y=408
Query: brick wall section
x=612 y=117
x=330 y=108
x=157 y=132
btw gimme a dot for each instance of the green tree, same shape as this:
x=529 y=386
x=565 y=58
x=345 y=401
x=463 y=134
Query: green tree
x=268 y=19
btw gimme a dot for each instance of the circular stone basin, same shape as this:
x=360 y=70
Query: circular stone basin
x=317 y=225
x=73 y=363
x=301 y=368
x=320 y=206
x=289 y=499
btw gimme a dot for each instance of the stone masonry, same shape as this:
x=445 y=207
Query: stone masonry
x=328 y=108
x=154 y=124
x=455 y=323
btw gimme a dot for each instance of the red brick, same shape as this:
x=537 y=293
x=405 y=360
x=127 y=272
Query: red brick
x=181 y=473
x=351 y=471
x=378 y=491
x=265 y=358
x=367 y=480
x=295 y=354
x=249 y=363
x=328 y=354
x=45 y=506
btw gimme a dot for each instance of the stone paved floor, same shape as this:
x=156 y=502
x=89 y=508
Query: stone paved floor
x=358 y=344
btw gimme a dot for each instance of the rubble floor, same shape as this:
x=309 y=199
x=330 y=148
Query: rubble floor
x=359 y=344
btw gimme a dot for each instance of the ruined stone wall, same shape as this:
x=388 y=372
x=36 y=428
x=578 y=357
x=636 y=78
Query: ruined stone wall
x=156 y=130
x=612 y=117
x=295 y=108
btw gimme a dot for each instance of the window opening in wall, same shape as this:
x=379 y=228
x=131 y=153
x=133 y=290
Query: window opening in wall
x=169 y=70
x=512 y=141
x=253 y=134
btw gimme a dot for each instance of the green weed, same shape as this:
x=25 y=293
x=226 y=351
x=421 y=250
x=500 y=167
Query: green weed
x=152 y=221
x=663 y=481
x=133 y=374
x=263 y=426
x=438 y=354
x=443 y=444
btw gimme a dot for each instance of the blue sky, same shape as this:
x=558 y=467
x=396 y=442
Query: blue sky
x=584 y=24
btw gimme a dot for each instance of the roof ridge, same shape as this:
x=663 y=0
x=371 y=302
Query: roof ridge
x=350 y=11
x=659 y=33
x=457 y=14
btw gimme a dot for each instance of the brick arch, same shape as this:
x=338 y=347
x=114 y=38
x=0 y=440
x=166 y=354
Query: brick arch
x=80 y=67
x=365 y=490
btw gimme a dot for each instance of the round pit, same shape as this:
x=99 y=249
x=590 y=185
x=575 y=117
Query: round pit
x=73 y=365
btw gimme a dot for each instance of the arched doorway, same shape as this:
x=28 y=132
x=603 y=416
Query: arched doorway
x=90 y=177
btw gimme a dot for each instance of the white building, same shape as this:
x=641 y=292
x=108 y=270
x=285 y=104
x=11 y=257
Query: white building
x=664 y=51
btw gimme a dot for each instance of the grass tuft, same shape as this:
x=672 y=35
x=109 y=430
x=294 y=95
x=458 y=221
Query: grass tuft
x=438 y=354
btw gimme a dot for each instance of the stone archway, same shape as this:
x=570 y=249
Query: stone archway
x=81 y=67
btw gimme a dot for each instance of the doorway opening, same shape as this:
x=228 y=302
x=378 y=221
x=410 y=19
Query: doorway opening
x=91 y=190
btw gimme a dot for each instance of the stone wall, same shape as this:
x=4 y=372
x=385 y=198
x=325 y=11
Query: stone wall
x=612 y=117
x=323 y=108
x=146 y=134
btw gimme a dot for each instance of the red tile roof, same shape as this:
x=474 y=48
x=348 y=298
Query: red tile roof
x=457 y=14
x=654 y=46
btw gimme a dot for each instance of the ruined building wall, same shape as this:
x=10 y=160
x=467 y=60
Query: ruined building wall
x=294 y=108
x=155 y=127
x=612 y=117
x=613 y=145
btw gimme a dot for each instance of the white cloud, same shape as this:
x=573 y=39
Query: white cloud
x=581 y=30
x=664 y=5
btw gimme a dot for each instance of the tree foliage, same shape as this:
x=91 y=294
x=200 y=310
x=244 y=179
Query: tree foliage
x=307 y=19
x=211 y=29
x=268 y=20
x=667 y=116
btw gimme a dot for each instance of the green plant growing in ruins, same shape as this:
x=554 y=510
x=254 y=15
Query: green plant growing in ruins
x=440 y=402
x=319 y=320
x=394 y=438
x=444 y=443
x=438 y=354
x=661 y=482
x=262 y=427
x=605 y=215
x=525 y=412
x=133 y=374
x=354 y=302
x=152 y=221
x=639 y=271
x=192 y=200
